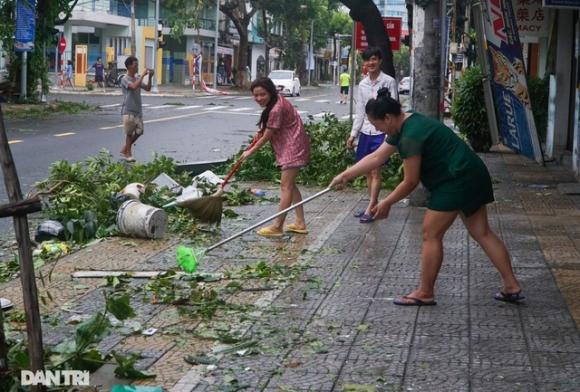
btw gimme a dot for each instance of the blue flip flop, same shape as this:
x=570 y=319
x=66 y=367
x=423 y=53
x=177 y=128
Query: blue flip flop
x=412 y=301
x=359 y=213
x=365 y=218
x=513 y=298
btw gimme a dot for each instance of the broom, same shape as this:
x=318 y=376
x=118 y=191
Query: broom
x=209 y=208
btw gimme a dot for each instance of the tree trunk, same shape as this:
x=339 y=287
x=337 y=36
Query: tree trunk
x=27 y=277
x=242 y=74
x=366 y=12
x=426 y=60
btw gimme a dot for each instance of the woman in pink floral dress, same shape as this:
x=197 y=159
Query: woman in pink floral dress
x=281 y=125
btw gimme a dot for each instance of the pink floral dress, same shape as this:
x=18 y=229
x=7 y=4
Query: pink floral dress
x=290 y=142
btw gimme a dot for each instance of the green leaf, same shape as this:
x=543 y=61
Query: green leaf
x=119 y=306
x=126 y=368
x=92 y=331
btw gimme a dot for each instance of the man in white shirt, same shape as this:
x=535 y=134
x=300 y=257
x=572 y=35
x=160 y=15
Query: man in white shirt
x=369 y=139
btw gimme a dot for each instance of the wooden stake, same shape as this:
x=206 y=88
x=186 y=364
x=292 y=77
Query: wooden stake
x=29 y=290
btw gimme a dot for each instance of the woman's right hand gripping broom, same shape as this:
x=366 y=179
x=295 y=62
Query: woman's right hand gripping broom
x=238 y=163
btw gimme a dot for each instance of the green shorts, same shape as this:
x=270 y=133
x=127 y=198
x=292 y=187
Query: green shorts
x=467 y=197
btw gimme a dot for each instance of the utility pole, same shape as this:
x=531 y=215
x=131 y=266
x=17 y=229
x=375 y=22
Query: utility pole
x=133 y=34
x=352 y=69
x=310 y=51
x=23 y=70
x=155 y=88
x=215 y=49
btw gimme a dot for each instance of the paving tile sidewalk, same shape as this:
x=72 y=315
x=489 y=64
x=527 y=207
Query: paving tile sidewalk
x=336 y=328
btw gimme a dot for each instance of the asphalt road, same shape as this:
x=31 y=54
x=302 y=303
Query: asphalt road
x=187 y=129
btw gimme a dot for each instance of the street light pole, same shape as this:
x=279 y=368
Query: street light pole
x=215 y=49
x=310 y=50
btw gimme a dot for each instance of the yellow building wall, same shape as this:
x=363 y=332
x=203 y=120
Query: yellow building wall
x=149 y=33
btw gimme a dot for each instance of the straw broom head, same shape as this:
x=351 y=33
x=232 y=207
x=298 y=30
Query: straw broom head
x=206 y=209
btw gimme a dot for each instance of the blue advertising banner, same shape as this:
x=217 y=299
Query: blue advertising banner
x=510 y=90
x=25 y=25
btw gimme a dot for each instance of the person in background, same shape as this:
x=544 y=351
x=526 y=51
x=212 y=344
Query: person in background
x=344 y=85
x=282 y=126
x=99 y=68
x=459 y=183
x=68 y=81
x=132 y=109
x=369 y=139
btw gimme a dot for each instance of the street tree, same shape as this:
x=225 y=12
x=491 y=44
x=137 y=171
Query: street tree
x=300 y=19
x=49 y=14
x=366 y=12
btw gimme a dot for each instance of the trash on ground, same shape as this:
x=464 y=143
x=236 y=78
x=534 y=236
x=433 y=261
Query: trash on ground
x=207 y=177
x=136 y=219
x=78 y=318
x=6 y=304
x=187 y=258
x=52 y=249
x=49 y=230
x=133 y=190
x=258 y=192
x=163 y=180
x=149 y=331
x=190 y=193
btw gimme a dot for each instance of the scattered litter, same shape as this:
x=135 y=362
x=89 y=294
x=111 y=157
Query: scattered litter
x=6 y=304
x=78 y=318
x=52 y=249
x=149 y=331
x=186 y=258
x=140 y=220
x=189 y=193
x=163 y=180
x=133 y=190
x=258 y=192
x=207 y=177
x=49 y=230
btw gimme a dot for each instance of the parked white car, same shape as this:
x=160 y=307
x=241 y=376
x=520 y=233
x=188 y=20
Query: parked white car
x=405 y=85
x=286 y=82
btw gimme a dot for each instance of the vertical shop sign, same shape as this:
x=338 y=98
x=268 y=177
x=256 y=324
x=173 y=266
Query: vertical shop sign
x=510 y=91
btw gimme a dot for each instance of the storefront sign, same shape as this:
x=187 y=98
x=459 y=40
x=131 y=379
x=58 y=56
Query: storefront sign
x=532 y=20
x=510 y=91
x=392 y=28
x=225 y=51
x=562 y=4
x=25 y=25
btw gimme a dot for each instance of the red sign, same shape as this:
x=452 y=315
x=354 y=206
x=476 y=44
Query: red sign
x=61 y=45
x=392 y=28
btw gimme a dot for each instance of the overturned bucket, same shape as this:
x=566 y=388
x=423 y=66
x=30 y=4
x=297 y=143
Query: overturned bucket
x=136 y=219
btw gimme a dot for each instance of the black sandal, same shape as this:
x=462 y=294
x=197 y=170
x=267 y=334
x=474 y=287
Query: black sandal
x=513 y=298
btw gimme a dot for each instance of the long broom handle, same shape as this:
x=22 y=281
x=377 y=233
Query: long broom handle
x=269 y=219
x=239 y=162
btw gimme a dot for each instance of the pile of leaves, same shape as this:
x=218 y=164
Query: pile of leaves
x=82 y=194
x=328 y=157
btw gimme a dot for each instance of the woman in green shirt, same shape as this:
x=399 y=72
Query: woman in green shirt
x=457 y=179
